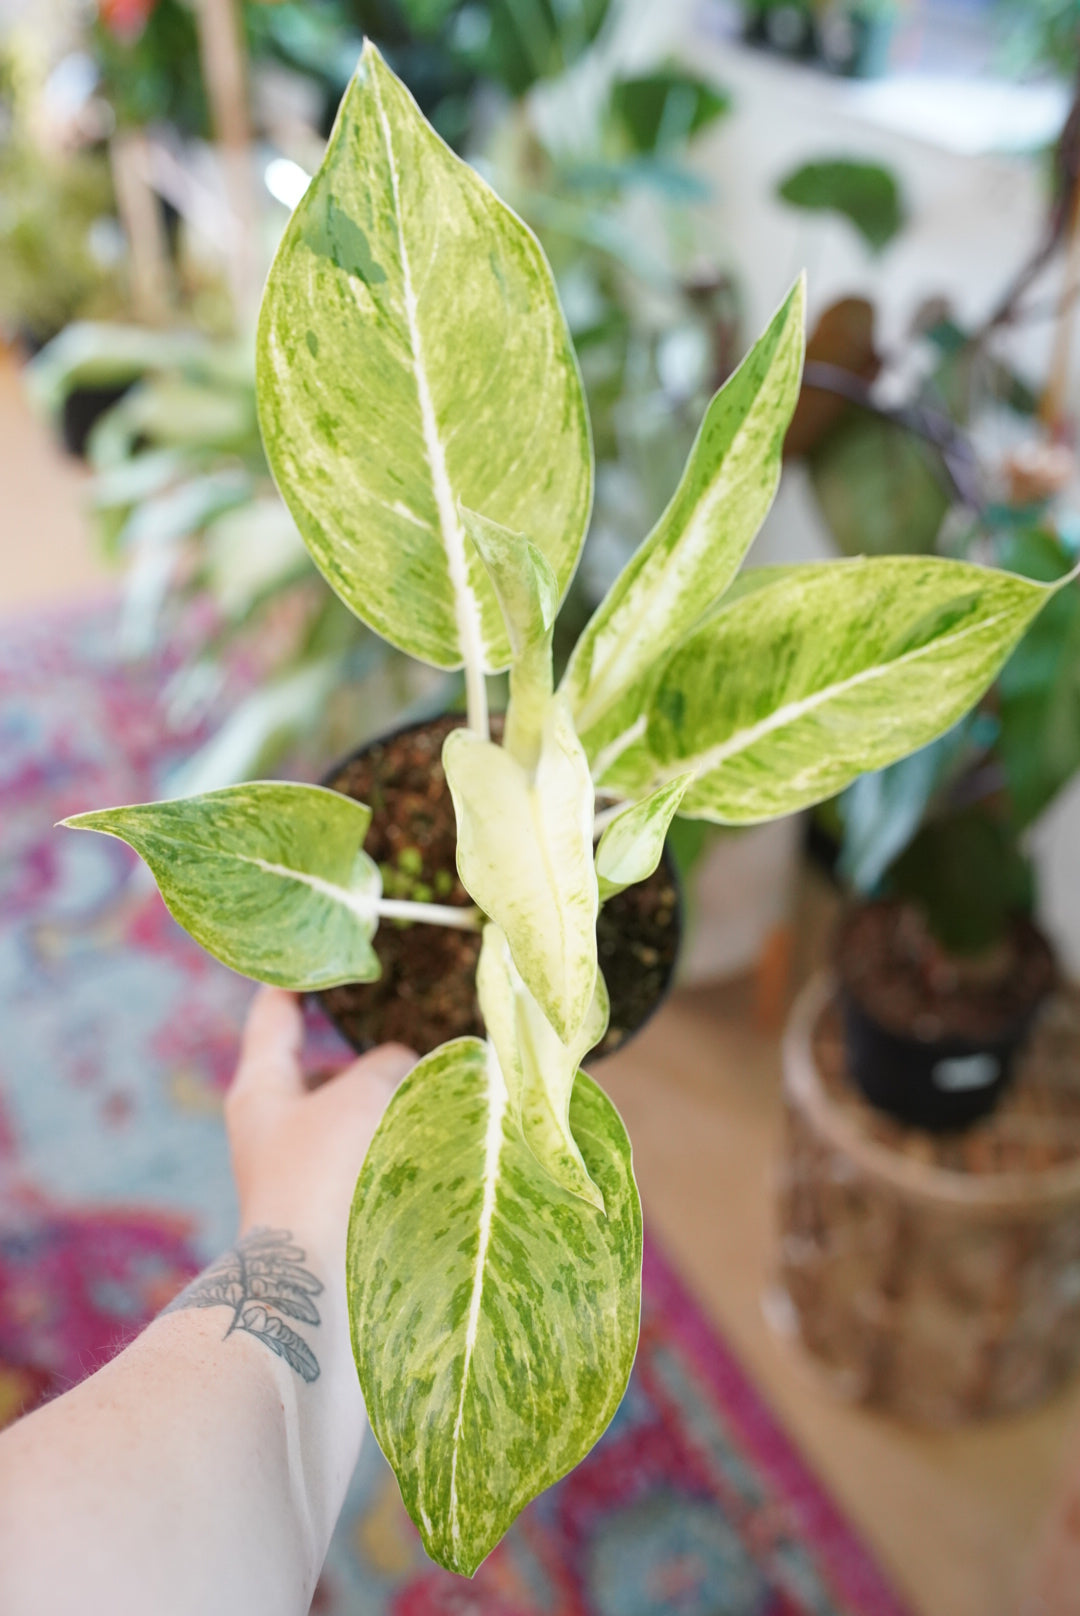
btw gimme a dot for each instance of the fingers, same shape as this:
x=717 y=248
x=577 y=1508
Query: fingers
x=270 y=1049
x=375 y=1076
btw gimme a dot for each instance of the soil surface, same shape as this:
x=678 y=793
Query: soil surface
x=900 y=976
x=427 y=992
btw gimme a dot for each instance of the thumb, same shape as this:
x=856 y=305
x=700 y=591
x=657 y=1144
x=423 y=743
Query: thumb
x=270 y=1049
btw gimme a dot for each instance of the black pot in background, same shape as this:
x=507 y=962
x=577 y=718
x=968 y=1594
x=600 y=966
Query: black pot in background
x=83 y=407
x=82 y=410
x=941 y=1084
x=606 y=935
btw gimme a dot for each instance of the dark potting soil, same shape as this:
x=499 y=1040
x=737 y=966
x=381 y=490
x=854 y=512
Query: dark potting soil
x=426 y=994
x=901 y=977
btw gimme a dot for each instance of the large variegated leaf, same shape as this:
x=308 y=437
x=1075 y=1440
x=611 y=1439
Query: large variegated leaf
x=271 y=878
x=695 y=549
x=524 y=852
x=494 y=1318
x=633 y=844
x=785 y=696
x=412 y=354
x=528 y=595
x=538 y=1068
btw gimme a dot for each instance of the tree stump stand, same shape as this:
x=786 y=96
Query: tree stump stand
x=934 y=1276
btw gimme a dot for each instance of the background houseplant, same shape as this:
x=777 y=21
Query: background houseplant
x=421 y=404
x=940 y=961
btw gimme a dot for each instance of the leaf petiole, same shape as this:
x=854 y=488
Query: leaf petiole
x=432 y=914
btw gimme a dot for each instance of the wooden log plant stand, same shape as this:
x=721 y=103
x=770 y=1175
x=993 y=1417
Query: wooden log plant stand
x=936 y=1277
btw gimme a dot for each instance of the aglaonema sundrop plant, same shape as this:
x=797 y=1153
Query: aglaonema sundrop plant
x=423 y=416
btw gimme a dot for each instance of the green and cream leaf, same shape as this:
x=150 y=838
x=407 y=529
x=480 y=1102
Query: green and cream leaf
x=528 y=595
x=695 y=549
x=633 y=844
x=494 y=1319
x=525 y=854
x=412 y=355
x=538 y=1068
x=271 y=877
x=833 y=669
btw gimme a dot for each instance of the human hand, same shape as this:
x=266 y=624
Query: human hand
x=297 y=1154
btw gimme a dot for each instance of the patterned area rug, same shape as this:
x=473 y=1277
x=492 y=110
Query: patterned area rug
x=118 y=1038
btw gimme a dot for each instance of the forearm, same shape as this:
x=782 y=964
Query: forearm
x=200 y=1471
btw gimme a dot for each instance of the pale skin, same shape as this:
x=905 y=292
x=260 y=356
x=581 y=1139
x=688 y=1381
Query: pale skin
x=203 y=1469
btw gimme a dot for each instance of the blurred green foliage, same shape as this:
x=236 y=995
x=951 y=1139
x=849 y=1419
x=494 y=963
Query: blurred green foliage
x=866 y=194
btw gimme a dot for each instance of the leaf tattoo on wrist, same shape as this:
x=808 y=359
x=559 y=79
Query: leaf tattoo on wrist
x=264 y=1281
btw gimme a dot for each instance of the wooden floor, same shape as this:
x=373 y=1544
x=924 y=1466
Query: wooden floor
x=953 y=1517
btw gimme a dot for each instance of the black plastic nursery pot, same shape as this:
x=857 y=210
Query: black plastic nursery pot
x=938 y=1061
x=426 y=994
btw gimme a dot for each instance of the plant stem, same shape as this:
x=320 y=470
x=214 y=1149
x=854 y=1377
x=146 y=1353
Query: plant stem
x=433 y=914
x=476 y=699
x=603 y=819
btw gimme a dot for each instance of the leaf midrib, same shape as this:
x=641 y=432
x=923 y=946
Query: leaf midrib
x=466 y=606
x=704 y=763
x=497 y=1100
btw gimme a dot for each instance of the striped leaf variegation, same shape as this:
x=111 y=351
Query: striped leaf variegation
x=412 y=354
x=494 y=1318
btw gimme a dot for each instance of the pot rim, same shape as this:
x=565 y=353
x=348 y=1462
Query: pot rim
x=976 y=1195
x=1012 y=1032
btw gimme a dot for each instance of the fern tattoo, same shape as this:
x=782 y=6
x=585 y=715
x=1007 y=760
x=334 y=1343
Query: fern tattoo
x=261 y=1279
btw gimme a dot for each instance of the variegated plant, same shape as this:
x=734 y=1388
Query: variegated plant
x=423 y=416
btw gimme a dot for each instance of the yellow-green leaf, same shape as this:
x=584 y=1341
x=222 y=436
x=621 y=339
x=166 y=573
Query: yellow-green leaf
x=538 y=1068
x=633 y=844
x=830 y=670
x=271 y=877
x=528 y=595
x=695 y=549
x=494 y=1318
x=525 y=854
x=412 y=354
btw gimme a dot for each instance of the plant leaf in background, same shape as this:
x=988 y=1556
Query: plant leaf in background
x=694 y=551
x=882 y=490
x=843 y=337
x=494 y=1318
x=864 y=193
x=782 y=698
x=968 y=875
x=661 y=110
x=270 y=878
x=633 y=844
x=518 y=44
x=881 y=811
x=453 y=394
x=1039 y=706
x=537 y=1067
x=528 y=595
x=541 y=829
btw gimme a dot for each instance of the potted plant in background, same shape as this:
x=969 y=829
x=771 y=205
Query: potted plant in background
x=940 y=964
x=424 y=419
